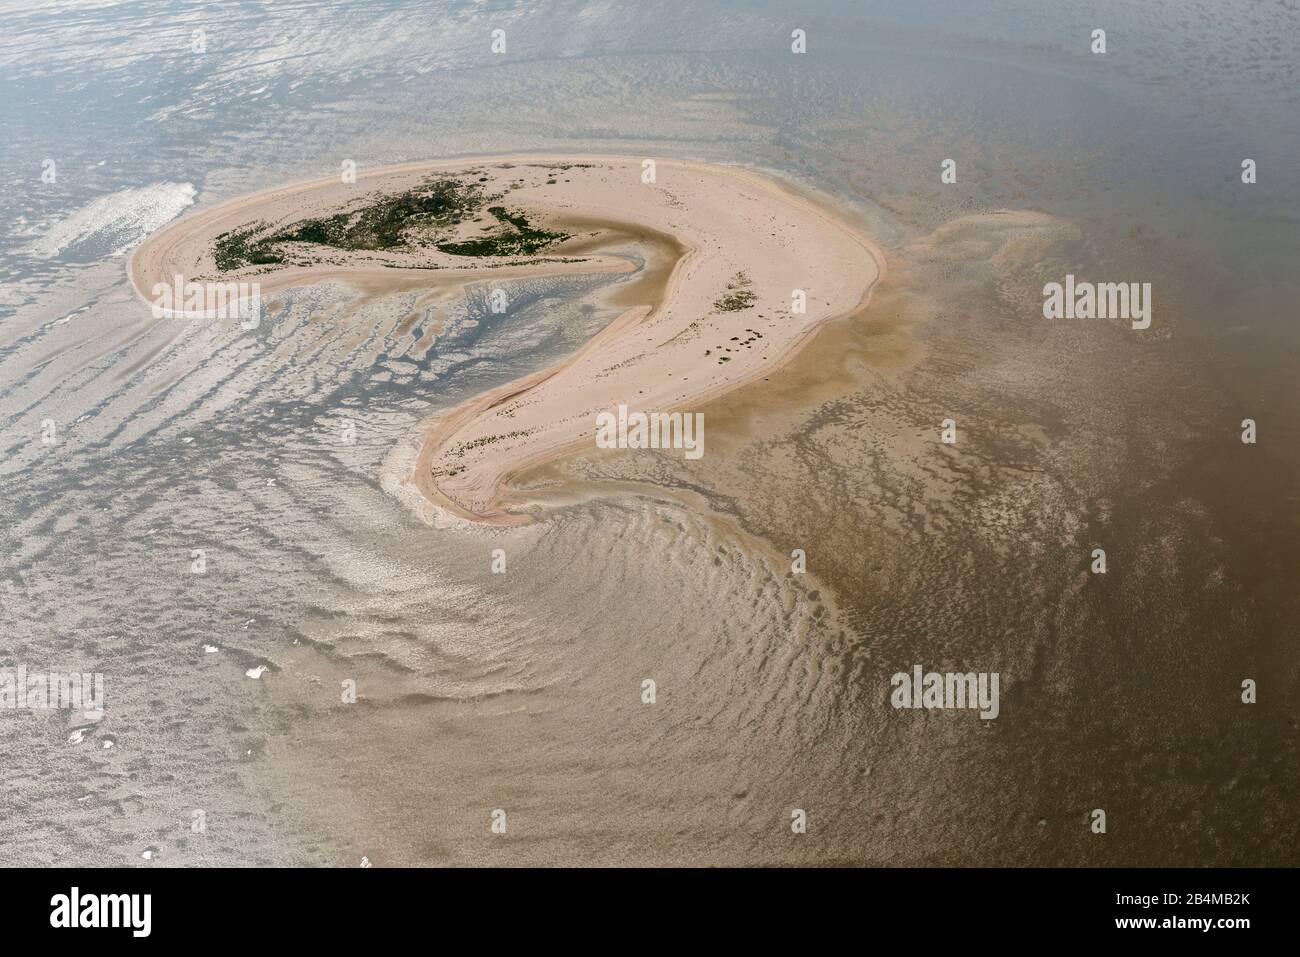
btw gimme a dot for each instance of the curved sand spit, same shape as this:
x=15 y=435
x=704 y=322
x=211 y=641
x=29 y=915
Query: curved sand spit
x=740 y=232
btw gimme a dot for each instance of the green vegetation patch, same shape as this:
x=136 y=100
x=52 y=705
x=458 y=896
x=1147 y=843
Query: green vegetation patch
x=462 y=447
x=738 y=295
x=239 y=248
x=391 y=222
x=515 y=237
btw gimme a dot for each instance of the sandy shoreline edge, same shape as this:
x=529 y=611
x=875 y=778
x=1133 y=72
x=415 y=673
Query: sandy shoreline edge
x=740 y=232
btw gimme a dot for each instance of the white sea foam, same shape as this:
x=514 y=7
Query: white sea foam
x=117 y=221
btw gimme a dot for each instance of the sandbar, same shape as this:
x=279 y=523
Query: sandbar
x=726 y=313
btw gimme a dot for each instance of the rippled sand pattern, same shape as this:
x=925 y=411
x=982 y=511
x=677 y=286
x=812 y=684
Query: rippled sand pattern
x=523 y=690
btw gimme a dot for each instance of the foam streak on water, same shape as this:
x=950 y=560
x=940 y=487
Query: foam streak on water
x=113 y=224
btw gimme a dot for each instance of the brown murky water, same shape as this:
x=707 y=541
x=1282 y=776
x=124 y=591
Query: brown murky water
x=523 y=691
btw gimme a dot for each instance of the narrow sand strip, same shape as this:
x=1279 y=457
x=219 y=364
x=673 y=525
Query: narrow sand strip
x=741 y=232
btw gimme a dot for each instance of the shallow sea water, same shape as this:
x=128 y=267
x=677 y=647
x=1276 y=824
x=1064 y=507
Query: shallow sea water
x=522 y=691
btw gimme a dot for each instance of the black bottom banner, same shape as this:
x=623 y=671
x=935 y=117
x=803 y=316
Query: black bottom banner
x=333 y=907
